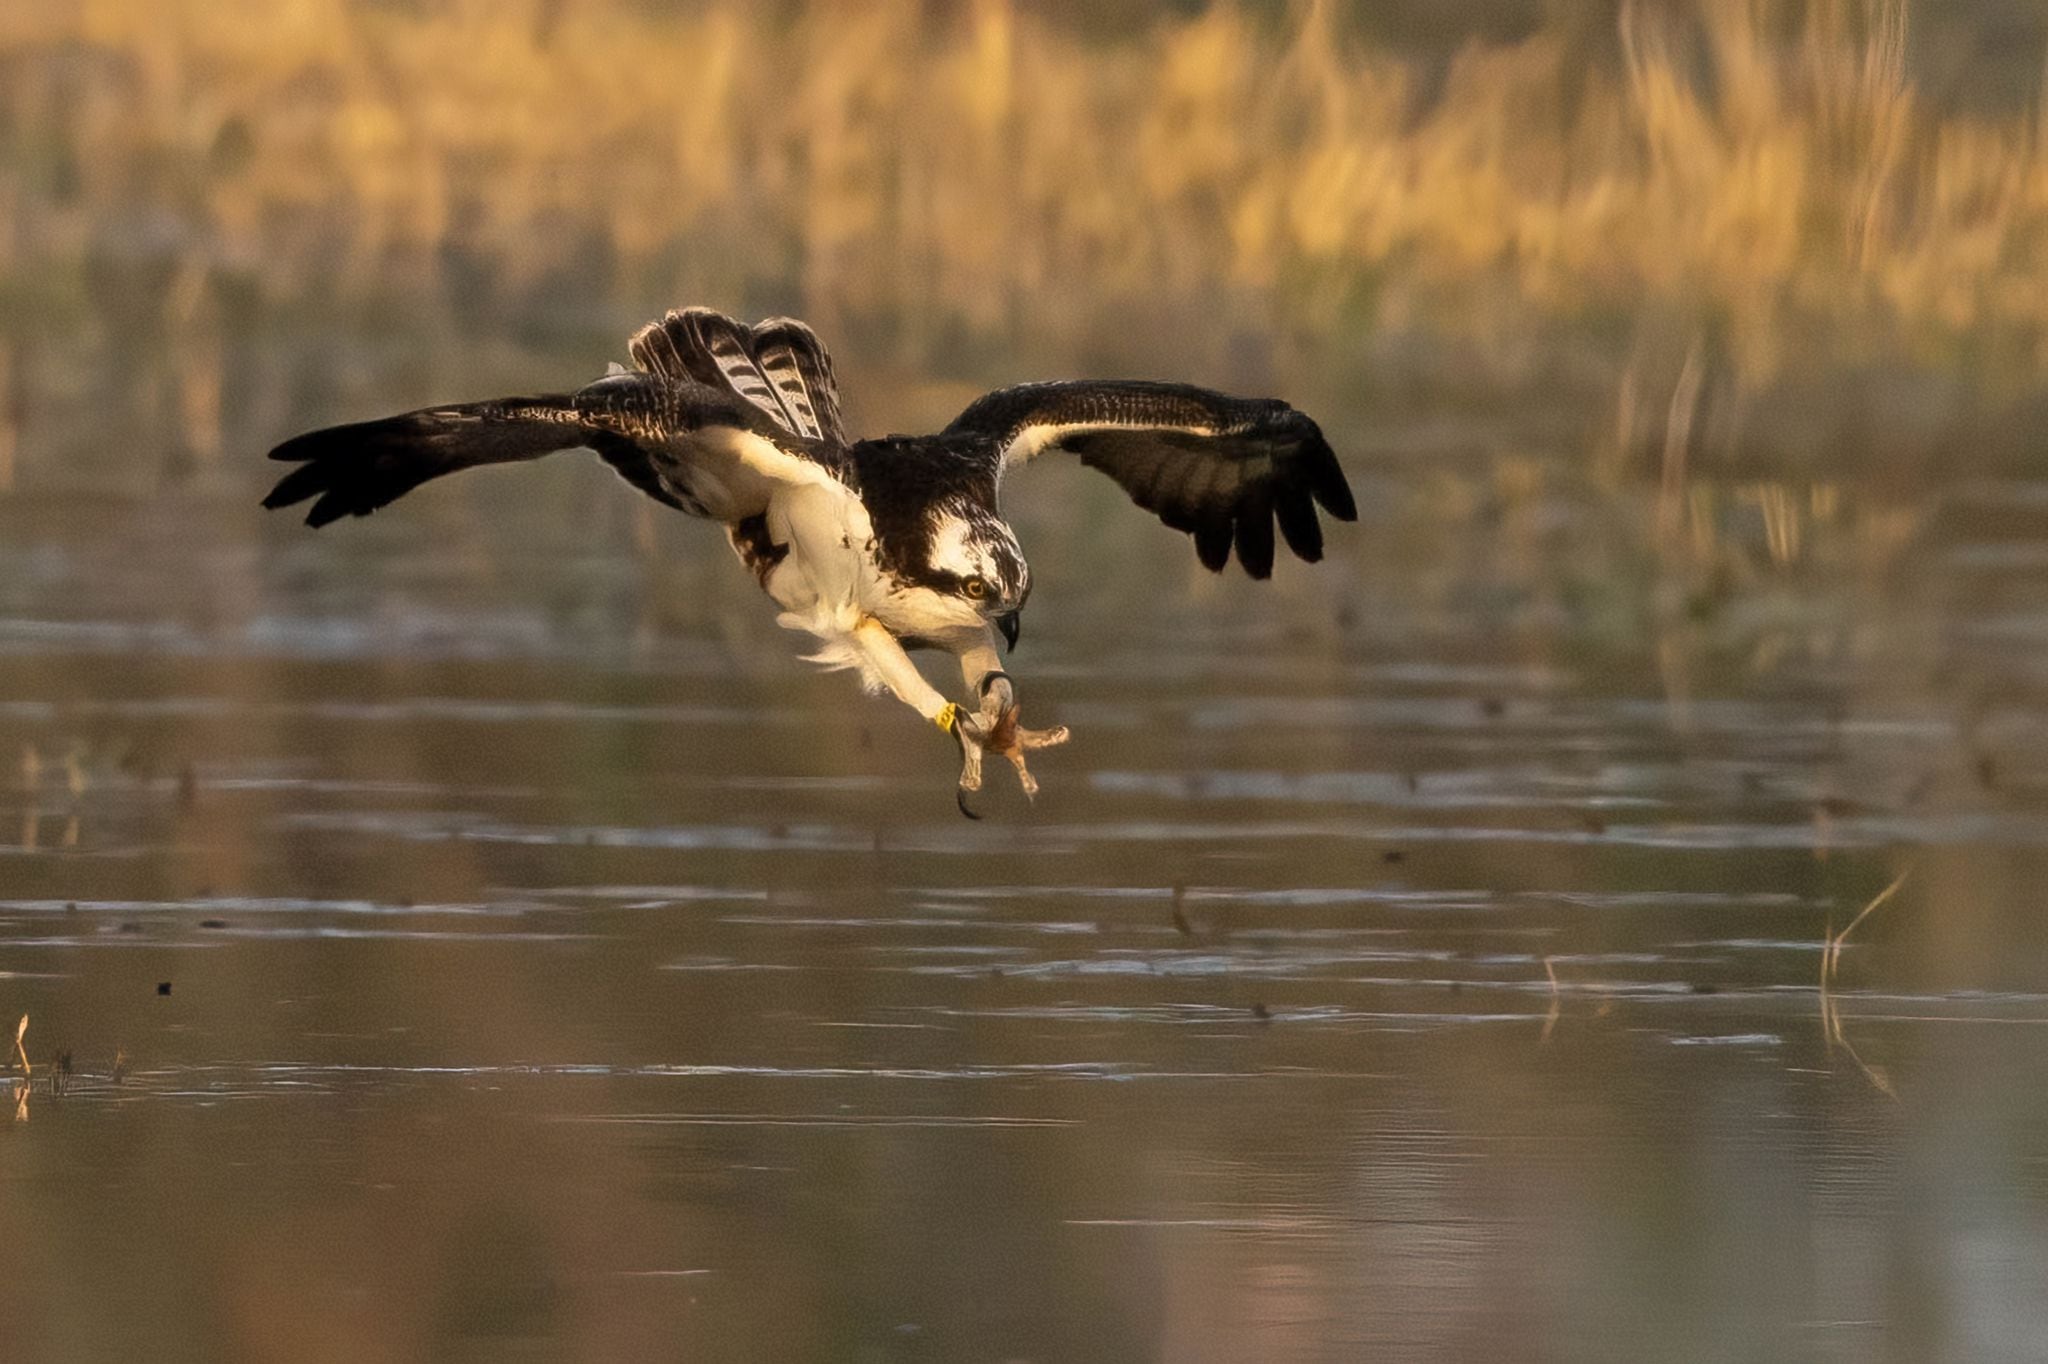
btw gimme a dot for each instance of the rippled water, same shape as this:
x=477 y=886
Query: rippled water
x=473 y=934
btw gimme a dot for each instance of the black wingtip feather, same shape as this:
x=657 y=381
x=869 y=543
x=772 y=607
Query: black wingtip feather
x=353 y=470
x=1212 y=544
x=1298 y=524
x=1326 y=479
x=332 y=508
x=296 y=486
x=1255 y=535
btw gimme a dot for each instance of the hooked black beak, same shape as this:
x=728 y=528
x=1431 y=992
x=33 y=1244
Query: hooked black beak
x=1011 y=623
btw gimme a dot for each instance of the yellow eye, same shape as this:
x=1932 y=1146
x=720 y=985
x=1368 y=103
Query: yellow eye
x=976 y=588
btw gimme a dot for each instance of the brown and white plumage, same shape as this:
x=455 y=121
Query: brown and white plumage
x=874 y=546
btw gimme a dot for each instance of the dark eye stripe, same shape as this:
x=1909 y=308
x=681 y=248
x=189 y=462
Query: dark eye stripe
x=956 y=584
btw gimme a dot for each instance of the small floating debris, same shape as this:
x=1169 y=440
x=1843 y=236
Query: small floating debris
x=163 y=987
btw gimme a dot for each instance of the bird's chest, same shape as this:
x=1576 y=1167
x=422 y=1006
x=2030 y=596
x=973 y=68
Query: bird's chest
x=814 y=547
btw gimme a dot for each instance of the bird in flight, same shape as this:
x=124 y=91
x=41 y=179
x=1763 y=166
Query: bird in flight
x=877 y=546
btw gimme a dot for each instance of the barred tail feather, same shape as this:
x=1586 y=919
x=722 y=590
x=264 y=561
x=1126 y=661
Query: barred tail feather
x=780 y=367
x=709 y=348
x=800 y=367
x=665 y=349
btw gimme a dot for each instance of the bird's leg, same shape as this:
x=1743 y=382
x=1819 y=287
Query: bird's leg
x=995 y=728
x=886 y=659
x=992 y=728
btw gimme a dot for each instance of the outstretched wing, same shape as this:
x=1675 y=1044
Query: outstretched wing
x=691 y=446
x=779 y=367
x=1221 y=468
x=352 y=470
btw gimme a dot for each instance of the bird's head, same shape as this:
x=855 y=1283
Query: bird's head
x=977 y=569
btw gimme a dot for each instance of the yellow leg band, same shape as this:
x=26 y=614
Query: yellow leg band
x=947 y=718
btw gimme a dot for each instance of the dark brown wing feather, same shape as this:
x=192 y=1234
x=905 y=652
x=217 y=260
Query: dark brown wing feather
x=650 y=428
x=1222 y=469
x=355 y=469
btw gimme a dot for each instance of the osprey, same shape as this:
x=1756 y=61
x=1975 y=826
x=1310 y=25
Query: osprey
x=873 y=546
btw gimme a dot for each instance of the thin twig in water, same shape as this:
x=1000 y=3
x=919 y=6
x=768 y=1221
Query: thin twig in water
x=1556 y=1002
x=1831 y=1026
x=1831 y=958
x=1831 y=1009
x=21 y=1094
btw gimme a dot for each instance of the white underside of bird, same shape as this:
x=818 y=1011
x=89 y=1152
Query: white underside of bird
x=832 y=586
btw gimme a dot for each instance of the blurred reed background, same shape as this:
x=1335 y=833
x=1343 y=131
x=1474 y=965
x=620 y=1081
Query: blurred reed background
x=1766 y=236
x=1689 y=359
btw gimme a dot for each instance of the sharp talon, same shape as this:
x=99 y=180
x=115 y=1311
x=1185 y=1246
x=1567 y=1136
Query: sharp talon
x=1024 y=777
x=996 y=731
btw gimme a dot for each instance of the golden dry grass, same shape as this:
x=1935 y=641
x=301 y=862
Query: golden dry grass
x=1759 y=175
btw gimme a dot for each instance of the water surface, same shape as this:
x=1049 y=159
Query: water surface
x=475 y=935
